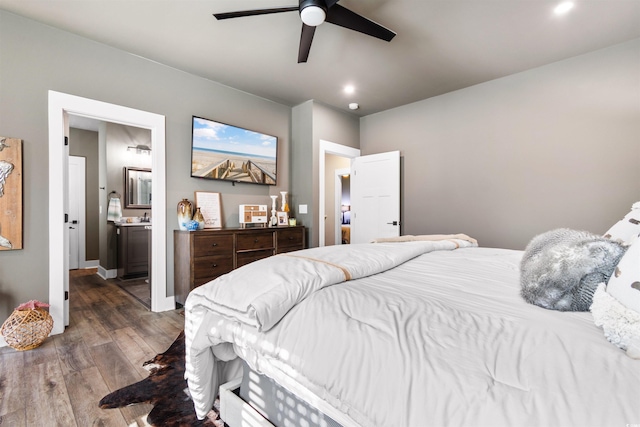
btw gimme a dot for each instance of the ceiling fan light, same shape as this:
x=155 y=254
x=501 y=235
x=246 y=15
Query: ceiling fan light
x=313 y=15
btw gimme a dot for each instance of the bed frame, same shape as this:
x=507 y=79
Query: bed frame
x=236 y=412
x=256 y=400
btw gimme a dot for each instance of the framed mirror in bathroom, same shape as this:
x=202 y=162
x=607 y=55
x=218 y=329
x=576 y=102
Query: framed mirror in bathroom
x=137 y=188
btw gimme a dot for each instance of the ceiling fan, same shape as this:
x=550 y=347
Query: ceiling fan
x=314 y=13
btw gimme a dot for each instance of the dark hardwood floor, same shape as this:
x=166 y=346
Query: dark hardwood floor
x=60 y=383
x=139 y=288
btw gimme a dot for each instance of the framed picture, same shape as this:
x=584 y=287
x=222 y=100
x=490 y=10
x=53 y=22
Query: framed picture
x=209 y=204
x=283 y=218
x=10 y=193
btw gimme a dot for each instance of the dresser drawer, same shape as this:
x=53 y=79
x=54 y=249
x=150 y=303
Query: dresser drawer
x=252 y=241
x=204 y=245
x=244 y=258
x=290 y=240
x=212 y=266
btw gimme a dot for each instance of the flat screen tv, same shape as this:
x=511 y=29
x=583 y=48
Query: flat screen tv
x=231 y=153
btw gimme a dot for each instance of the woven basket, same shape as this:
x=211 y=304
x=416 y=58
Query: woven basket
x=27 y=329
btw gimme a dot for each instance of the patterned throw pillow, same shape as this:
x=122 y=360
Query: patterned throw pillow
x=627 y=228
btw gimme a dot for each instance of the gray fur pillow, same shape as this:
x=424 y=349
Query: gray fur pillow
x=561 y=269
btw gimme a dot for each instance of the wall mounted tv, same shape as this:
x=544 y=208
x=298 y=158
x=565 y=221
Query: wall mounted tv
x=226 y=152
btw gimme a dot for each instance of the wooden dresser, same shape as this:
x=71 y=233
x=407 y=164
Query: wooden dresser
x=201 y=256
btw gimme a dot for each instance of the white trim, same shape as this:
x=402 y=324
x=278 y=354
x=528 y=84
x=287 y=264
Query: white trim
x=107 y=274
x=94 y=263
x=327 y=147
x=60 y=105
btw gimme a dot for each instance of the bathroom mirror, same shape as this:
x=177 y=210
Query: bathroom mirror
x=137 y=188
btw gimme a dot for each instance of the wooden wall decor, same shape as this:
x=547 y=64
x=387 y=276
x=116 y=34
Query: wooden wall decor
x=10 y=193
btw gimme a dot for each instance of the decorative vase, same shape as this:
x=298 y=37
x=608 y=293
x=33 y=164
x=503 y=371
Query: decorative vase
x=199 y=218
x=285 y=205
x=185 y=212
x=274 y=220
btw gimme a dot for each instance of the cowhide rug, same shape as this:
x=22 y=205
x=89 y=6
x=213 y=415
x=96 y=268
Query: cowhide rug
x=165 y=388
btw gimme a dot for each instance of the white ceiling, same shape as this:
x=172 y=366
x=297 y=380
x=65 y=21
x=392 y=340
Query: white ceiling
x=441 y=46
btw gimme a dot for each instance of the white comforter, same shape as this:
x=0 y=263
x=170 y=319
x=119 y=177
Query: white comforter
x=443 y=339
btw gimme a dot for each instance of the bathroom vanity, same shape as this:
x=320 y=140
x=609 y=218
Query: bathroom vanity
x=133 y=249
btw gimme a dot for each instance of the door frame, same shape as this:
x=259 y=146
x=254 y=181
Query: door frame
x=60 y=105
x=327 y=147
x=82 y=209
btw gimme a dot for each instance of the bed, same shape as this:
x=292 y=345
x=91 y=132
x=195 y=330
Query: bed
x=417 y=333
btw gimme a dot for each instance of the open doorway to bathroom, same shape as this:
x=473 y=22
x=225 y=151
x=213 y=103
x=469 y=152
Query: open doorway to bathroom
x=98 y=215
x=60 y=107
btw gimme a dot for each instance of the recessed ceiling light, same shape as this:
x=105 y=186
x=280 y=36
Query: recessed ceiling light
x=354 y=106
x=349 y=89
x=563 y=8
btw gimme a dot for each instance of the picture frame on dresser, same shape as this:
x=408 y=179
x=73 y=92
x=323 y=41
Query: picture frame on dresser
x=283 y=218
x=210 y=207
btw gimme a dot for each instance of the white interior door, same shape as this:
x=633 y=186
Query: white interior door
x=77 y=230
x=375 y=196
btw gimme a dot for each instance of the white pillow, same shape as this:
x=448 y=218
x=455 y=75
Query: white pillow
x=617 y=308
x=627 y=228
x=624 y=283
x=620 y=324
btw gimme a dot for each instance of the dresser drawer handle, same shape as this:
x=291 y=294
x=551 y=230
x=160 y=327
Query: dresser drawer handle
x=215 y=244
x=255 y=240
x=214 y=265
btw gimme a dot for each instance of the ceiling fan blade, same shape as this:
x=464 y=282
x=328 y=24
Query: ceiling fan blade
x=306 y=37
x=343 y=17
x=243 y=13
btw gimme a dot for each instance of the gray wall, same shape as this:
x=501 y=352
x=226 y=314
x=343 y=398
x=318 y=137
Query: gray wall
x=84 y=143
x=301 y=165
x=556 y=146
x=38 y=58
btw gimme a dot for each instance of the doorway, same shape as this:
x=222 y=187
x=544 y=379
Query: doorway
x=342 y=208
x=60 y=106
x=329 y=148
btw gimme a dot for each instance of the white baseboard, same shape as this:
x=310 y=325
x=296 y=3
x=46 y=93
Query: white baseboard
x=94 y=263
x=107 y=274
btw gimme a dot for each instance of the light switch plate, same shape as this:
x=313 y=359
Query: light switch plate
x=302 y=209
